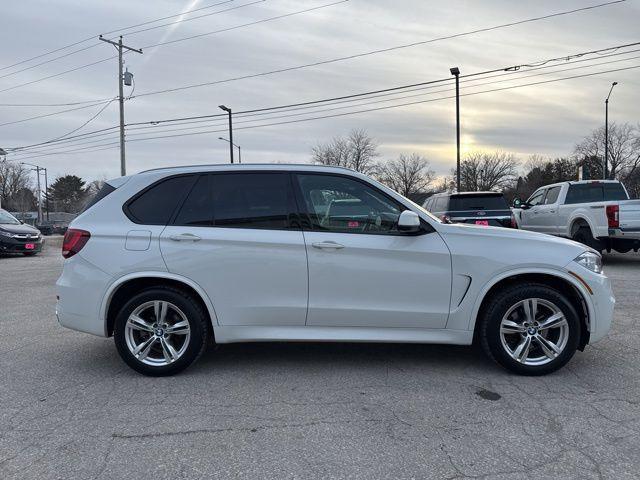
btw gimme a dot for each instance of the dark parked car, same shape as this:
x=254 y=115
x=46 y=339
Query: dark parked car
x=479 y=208
x=17 y=237
x=50 y=227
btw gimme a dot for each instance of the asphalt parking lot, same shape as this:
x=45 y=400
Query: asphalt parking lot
x=69 y=408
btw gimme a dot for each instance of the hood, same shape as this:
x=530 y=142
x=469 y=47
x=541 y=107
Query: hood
x=511 y=244
x=22 y=228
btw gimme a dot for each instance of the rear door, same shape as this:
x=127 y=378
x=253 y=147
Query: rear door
x=237 y=236
x=362 y=271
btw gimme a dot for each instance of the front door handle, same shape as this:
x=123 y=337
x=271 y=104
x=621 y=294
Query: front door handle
x=185 y=237
x=329 y=244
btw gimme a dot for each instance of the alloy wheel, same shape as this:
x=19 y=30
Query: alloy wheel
x=157 y=333
x=534 y=331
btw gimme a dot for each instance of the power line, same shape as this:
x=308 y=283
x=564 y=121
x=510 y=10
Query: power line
x=382 y=50
x=91 y=119
x=392 y=106
x=508 y=71
x=50 y=114
x=68 y=104
x=79 y=42
x=86 y=65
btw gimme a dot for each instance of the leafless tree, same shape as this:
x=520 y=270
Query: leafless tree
x=408 y=174
x=624 y=151
x=487 y=171
x=13 y=178
x=358 y=151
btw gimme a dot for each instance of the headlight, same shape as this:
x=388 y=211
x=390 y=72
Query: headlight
x=590 y=261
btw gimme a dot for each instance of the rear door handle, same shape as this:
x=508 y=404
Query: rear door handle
x=329 y=244
x=185 y=237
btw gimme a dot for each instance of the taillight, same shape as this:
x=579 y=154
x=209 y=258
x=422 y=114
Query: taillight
x=514 y=224
x=613 y=216
x=73 y=241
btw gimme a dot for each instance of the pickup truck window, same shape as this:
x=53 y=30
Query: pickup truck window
x=595 y=192
x=552 y=195
x=536 y=198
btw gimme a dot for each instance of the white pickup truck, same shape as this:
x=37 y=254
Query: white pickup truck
x=597 y=213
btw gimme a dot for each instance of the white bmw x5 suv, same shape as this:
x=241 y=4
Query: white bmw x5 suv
x=167 y=261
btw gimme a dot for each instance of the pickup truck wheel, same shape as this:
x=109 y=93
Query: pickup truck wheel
x=530 y=329
x=583 y=235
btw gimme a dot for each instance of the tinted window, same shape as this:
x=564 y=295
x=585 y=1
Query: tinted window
x=156 y=205
x=252 y=200
x=552 y=195
x=536 y=198
x=197 y=208
x=341 y=204
x=478 y=202
x=614 y=191
x=585 y=193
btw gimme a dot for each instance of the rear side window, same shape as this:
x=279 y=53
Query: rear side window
x=585 y=193
x=197 y=209
x=156 y=205
x=252 y=200
x=552 y=195
x=103 y=192
x=614 y=191
x=478 y=202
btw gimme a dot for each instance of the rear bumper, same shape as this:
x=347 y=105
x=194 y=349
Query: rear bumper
x=625 y=234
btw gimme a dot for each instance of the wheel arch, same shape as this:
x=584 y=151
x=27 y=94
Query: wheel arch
x=578 y=221
x=120 y=290
x=565 y=283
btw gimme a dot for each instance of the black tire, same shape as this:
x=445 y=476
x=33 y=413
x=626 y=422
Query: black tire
x=498 y=307
x=583 y=235
x=199 y=325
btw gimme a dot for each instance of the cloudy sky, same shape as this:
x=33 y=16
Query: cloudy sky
x=547 y=119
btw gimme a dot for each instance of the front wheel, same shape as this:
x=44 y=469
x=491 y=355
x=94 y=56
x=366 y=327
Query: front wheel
x=530 y=329
x=161 y=331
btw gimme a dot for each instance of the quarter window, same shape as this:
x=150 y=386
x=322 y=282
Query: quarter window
x=339 y=204
x=156 y=205
x=252 y=200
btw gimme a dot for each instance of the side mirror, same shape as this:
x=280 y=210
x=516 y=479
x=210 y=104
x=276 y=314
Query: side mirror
x=409 y=222
x=517 y=203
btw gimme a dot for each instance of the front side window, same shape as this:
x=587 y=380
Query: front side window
x=156 y=205
x=536 y=198
x=339 y=204
x=252 y=200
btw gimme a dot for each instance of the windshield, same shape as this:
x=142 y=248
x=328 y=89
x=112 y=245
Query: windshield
x=7 y=219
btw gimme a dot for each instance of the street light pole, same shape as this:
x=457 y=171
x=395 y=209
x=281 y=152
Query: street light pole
x=605 y=161
x=119 y=46
x=228 y=110
x=237 y=146
x=456 y=72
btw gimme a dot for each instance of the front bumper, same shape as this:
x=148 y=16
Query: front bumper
x=18 y=245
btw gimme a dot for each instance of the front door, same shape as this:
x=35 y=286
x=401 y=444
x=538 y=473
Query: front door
x=531 y=218
x=235 y=237
x=363 y=272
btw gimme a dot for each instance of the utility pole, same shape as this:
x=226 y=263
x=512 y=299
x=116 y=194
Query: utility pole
x=120 y=46
x=37 y=169
x=2 y=154
x=46 y=192
x=228 y=110
x=605 y=162
x=456 y=72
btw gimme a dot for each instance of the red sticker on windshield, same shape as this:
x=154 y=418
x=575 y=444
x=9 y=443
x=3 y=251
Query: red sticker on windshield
x=353 y=224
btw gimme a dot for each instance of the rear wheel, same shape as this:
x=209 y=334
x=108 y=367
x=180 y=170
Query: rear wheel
x=583 y=235
x=530 y=329
x=161 y=331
